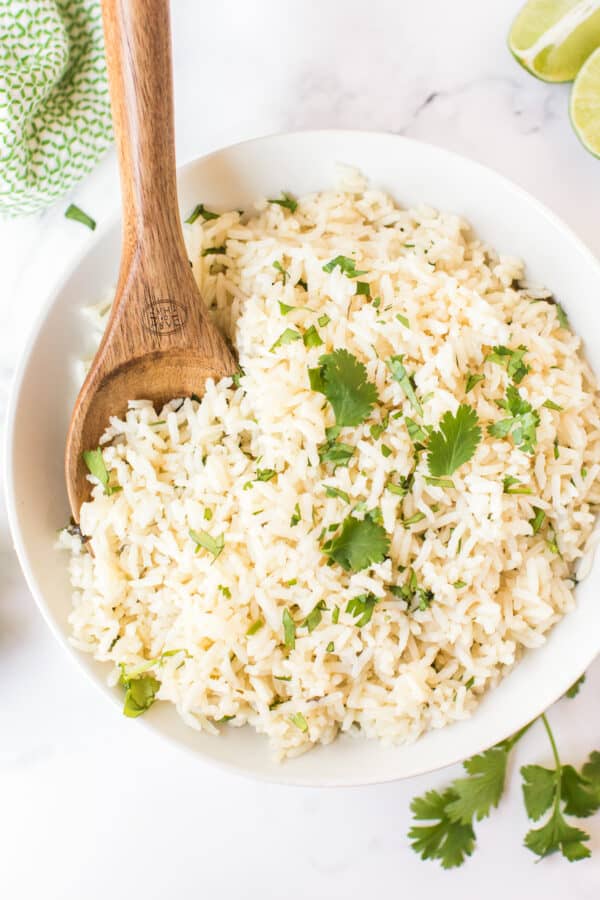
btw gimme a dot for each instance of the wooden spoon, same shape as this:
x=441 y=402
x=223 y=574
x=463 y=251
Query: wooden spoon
x=159 y=342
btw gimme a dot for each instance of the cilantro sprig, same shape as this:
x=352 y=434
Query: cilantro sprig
x=444 y=821
x=512 y=360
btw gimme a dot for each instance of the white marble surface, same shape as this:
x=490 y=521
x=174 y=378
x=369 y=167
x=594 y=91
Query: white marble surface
x=91 y=806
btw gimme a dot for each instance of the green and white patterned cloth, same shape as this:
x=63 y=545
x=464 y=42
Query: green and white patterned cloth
x=55 y=118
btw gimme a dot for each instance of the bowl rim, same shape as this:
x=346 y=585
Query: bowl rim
x=283 y=775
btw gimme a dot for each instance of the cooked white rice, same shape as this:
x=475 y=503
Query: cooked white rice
x=145 y=590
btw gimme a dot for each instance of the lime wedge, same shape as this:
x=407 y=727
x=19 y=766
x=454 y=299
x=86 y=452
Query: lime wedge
x=584 y=105
x=553 y=38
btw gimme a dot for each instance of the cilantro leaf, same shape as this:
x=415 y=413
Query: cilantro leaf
x=256 y=626
x=562 y=790
x=289 y=630
x=323 y=320
x=285 y=275
x=96 y=467
x=561 y=315
x=346 y=265
x=314 y=617
x=591 y=771
x=512 y=485
x=575 y=687
x=343 y=380
x=444 y=840
x=299 y=721
x=581 y=795
x=140 y=693
x=516 y=368
x=455 y=442
x=472 y=380
x=361 y=608
x=477 y=794
x=336 y=452
x=206 y=540
x=214 y=251
x=332 y=491
x=312 y=338
x=265 y=474
x=78 y=215
x=359 y=544
x=286 y=337
x=536 y=523
x=539 y=787
x=399 y=374
x=522 y=423
x=556 y=835
x=296 y=517
x=200 y=210
x=286 y=201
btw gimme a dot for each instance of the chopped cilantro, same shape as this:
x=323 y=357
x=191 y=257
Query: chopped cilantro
x=323 y=320
x=455 y=442
x=312 y=338
x=214 y=251
x=512 y=485
x=415 y=432
x=299 y=721
x=399 y=374
x=265 y=474
x=403 y=320
x=439 y=482
x=385 y=450
x=561 y=315
x=336 y=452
x=256 y=626
x=225 y=591
x=332 y=491
x=363 y=288
x=361 y=608
x=538 y=519
x=550 y=404
x=208 y=542
x=140 y=693
x=314 y=617
x=412 y=520
x=286 y=201
x=330 y=647
x=472 y=380
x=200 y=210
x=296 y=517
x=335 y=615
x=78 y=215
x=286 y=337
x=377 y=430
x=285 y=308
x=516 y=368
x=346 y=265
x=277 y=265
x=96 y=467
x=521 y=424
x=289 y=630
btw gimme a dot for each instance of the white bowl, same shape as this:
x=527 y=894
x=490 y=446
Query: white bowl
x=44 y=392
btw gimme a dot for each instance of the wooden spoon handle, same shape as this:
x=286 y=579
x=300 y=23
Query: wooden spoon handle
x=138 y=49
